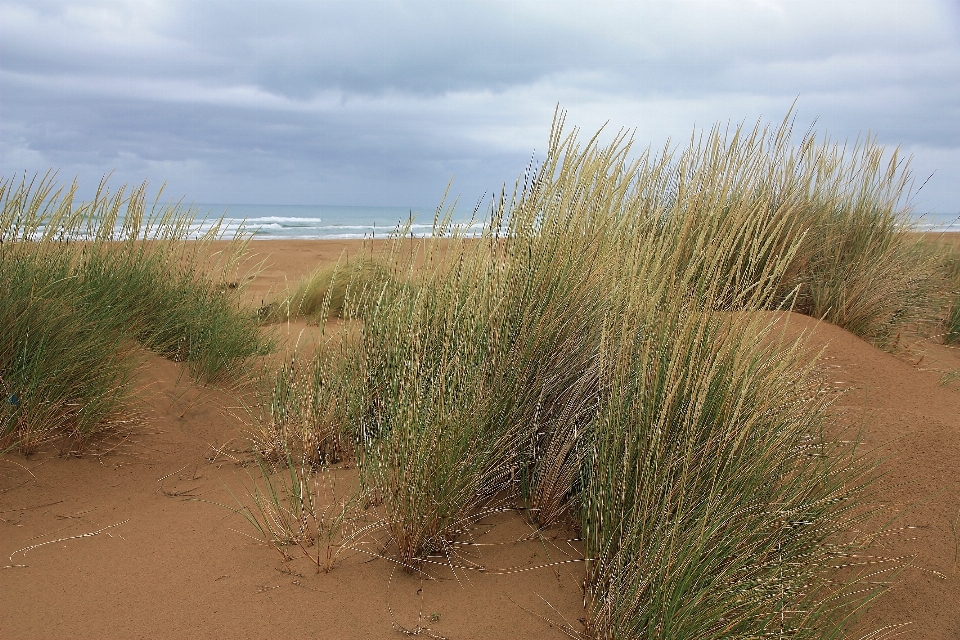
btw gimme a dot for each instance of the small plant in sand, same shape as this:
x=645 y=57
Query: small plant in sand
x=298 y=507
x=295 y=413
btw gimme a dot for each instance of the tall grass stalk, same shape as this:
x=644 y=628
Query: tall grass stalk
x=297 y=507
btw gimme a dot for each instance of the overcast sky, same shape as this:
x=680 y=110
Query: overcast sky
x=381 y=103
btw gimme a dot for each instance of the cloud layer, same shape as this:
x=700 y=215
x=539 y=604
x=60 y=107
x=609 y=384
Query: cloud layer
x=380 y=103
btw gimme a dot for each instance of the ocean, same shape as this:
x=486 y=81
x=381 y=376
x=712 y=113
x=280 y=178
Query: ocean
x=937 y=222
x=272 y=221
x=324 y=221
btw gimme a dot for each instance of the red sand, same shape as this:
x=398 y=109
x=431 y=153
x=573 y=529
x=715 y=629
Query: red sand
x=172 y=564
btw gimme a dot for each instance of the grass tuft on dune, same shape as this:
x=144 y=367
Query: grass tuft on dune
x=82 y=284
x=601 y=357
x=952 y=270
x=322 y=295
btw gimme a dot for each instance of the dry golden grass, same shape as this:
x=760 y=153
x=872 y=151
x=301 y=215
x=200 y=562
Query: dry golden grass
x=581 y=357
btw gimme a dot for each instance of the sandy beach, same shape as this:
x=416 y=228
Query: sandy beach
x=134 y=539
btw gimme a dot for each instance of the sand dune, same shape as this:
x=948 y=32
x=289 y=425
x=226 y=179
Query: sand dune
x=129 y=541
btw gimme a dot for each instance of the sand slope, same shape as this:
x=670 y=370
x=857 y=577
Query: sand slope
x=172 y=564
x=912 y=422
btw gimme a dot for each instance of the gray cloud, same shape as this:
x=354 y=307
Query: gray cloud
x=381 y=102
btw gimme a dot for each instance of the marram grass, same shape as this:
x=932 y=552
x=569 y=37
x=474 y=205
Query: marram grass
x=294 y=414
x=952 y=270
x=603 y=354
x=81 y=284
x=322 y=295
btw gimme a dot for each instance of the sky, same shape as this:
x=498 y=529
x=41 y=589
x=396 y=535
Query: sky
x=383 y=103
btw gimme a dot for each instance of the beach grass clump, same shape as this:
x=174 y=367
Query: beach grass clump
x=605 y=354
x=595 y=349
x=861 y=267
x=173 y=296
x=857 y=263
x=296 y=414
x=322 y=295
x=952 y=271
x=942 y=253
x=85 y=284
x=705 y=457
x=428 y=455
x=64 y=369
x=714 y=506
x=474 y=380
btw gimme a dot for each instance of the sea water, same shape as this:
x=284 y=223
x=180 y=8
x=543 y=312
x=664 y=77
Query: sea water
x=935 y=222
x=274 y=221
